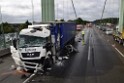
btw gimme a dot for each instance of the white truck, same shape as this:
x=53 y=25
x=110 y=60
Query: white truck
x=39 y=46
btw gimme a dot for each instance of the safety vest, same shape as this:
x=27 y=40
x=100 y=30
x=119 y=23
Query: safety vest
x=83 y=32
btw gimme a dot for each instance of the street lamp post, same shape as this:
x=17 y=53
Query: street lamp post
x=2 y=30
x=32 y=12
x=103 y=10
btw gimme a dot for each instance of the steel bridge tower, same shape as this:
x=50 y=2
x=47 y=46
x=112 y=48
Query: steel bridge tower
x=121 y=16
x=48 y=11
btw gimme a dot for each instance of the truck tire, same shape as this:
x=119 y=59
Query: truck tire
x=120 y=41
x=73 y=40
x=48 y=63
x=114 y=38
x=69 y=48
x=123 y=43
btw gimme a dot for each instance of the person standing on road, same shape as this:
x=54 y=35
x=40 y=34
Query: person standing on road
x=83 y=34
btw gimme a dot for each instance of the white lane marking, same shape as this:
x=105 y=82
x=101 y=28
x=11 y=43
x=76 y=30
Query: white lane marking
x=89 y=51
x=119 y=51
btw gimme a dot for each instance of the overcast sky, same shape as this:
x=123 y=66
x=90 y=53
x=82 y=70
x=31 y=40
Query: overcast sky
x=16 y=11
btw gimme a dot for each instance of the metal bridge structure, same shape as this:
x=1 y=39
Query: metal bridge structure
x=48 y=11
x=121 y=16
x=98 y=61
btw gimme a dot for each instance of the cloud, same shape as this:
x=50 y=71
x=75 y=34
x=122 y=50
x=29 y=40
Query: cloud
x=21 y=10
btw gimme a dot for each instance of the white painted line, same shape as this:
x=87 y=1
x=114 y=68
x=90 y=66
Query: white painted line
x=89 y=52
x=118 y=51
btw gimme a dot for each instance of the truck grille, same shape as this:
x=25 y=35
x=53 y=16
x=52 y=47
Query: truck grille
x=32 y=54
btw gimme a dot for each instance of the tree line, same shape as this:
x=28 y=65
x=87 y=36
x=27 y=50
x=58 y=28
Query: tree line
x=9 y=28
x=107 y=20
x=77 y=21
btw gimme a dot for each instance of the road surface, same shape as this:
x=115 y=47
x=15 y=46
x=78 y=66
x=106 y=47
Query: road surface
x=97 y=61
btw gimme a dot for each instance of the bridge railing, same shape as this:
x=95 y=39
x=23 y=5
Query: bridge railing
x=4 y=47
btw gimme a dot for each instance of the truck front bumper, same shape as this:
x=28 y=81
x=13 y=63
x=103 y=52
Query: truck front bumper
x=31 y=65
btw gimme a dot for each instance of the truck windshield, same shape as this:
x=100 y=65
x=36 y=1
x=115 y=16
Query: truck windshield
x=31 y=41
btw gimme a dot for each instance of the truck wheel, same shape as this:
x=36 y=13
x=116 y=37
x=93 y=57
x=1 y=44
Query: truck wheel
x=114 y=38
x=48 y=63
x=69 y=48
x=119 y=41
x=123 y=43
x=73 y=40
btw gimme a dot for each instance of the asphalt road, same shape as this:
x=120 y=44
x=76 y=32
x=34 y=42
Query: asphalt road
x=96 y=62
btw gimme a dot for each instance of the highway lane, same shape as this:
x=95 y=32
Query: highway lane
x=118 y=47
x=7 y=75
x=96 y=62
x=109 y=67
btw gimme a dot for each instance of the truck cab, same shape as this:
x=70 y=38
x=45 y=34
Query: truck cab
x=35 y=47
x=40 y=45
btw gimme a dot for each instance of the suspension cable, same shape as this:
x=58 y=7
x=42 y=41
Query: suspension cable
x=103 y=8
x=2 y=30
x=32 y=12
x=74 y=8
x=63 y=9
x=67 y=9
x=119 y=2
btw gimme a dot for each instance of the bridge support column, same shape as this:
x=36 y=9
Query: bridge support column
x=121 y=16
x=48 y=11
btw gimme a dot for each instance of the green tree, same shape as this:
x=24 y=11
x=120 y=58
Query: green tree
x=25 y=25
x=7 y=28
x=62 y=20
x=107 y=20
x=70 y=20
x=79 y=21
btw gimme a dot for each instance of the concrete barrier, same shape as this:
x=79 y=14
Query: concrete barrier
x=4 y=52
